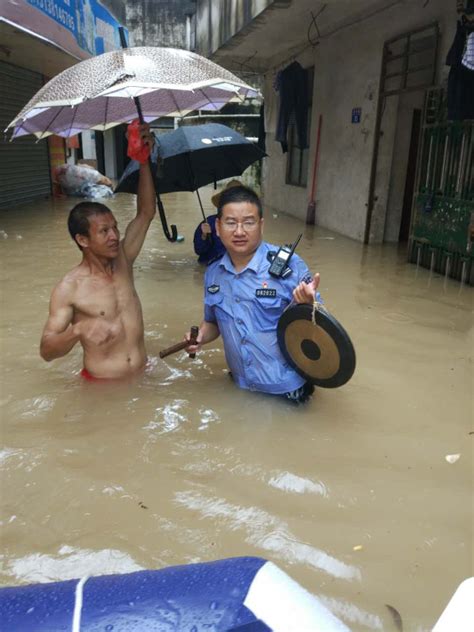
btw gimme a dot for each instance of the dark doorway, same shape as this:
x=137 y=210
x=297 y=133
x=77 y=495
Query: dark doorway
x=410 y=177
x=121 y=145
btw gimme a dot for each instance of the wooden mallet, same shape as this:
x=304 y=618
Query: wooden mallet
x=182 y=345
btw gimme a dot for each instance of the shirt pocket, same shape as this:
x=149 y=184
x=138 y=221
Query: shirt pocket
x=215 y=303
x=268 y=312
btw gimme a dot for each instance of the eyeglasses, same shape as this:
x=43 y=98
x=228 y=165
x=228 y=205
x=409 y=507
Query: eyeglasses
x=248 y=225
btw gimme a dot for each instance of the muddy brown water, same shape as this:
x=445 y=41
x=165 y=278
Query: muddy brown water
x=352 y=494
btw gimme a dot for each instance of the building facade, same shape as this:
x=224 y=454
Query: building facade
x=39 y=40
x=368 y=66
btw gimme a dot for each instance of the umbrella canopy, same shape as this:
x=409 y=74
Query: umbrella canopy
x=193 y=156
x=98 y=93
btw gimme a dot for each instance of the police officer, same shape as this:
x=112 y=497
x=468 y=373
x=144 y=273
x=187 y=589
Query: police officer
x=243 y=302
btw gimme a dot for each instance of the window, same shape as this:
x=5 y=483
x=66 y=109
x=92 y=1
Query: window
x=297 y=159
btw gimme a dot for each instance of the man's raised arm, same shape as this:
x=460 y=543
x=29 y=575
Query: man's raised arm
x=146 y=205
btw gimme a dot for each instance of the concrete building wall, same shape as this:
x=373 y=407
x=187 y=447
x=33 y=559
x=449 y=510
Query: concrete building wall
x=347 y=70
x=161 y=22
x=219 y=20
x=117 y=7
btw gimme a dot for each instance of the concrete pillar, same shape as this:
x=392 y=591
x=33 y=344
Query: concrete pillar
x=88 y=145
x=109 y=154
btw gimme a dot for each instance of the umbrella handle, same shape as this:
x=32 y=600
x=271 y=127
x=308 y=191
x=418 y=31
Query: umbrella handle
x=174 y=231
x=164 y=223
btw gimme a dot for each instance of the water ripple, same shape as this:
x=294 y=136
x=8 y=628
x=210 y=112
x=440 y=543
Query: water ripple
x=207 y=416
x=168 y=418
x=268 y=533
x=350 y=612
x=70 y=563
x=288 y=482
x=35 y=407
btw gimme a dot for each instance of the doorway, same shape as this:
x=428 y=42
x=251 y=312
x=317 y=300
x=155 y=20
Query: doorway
x=409 y=63
x=410 y=177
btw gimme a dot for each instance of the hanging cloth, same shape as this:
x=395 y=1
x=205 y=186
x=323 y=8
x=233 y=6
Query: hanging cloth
x=293 y=88
x=460 y=79
x=468 y=57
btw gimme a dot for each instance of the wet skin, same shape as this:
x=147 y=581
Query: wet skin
x=96 y=303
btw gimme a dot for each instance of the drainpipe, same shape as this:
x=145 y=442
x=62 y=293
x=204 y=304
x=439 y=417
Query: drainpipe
x=188 y=31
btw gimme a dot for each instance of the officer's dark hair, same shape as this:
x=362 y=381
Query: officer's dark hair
x=239 y=194
x=78 y=220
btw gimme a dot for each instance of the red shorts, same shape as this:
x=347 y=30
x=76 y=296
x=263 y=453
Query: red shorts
x=91 y=378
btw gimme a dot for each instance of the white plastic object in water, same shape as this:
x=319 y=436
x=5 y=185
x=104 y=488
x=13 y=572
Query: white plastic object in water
x=458 y=616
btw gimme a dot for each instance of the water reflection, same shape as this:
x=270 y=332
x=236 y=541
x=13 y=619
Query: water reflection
x=70 y=563
x=266 y=532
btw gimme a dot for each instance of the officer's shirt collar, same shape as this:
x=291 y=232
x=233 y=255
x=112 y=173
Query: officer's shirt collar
x=254 y=264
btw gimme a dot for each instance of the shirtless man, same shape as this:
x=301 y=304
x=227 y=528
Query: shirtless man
x=96 y=303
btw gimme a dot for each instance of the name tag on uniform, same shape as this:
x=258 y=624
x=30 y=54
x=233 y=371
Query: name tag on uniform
x=265 y=293
x=213 y=289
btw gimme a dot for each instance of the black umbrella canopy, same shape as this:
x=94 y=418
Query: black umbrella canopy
x=193 y=156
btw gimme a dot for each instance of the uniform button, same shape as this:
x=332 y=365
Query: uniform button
x=243 y=341
x=249 y=362
x=237 y=300
x=240 y=321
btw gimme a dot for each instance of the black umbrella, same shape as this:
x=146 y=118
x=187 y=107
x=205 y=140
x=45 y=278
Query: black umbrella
x=193 y=156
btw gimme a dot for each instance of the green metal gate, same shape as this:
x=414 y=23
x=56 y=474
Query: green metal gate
x=442 y=231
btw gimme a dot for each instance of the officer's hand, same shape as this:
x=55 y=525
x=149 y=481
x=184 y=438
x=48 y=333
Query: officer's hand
x=193 y=348
x=306 y=292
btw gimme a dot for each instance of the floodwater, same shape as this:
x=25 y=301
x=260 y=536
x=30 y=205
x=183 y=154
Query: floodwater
x=351 y=495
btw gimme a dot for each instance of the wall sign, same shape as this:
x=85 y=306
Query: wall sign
x=79 y=27
x=356 y=115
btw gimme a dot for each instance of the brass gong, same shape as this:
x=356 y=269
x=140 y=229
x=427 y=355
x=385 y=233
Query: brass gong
x=323 y=352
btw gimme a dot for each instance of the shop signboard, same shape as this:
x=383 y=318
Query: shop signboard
x=82 y=28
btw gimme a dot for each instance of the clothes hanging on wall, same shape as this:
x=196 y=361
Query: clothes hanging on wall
x=293 y=89
x=468 y=57
x=461 y=76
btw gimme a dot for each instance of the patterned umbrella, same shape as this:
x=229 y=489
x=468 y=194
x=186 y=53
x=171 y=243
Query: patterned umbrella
x=112 y=88
x=98 y=93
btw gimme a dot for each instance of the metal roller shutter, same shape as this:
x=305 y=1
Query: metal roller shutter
x=24 y=163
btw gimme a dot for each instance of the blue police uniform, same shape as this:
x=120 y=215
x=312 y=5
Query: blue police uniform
x=246 y=306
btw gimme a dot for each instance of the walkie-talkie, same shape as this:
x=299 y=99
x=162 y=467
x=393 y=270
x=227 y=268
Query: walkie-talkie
x=282 y=258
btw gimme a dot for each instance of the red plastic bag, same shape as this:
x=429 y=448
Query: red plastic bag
x=137 y=150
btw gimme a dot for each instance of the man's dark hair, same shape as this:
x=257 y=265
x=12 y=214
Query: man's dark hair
x=78 y=220
x=239 y=194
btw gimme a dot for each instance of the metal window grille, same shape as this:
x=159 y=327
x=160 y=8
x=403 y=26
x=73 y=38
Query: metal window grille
x=442 y=231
